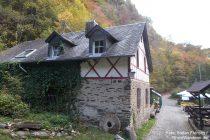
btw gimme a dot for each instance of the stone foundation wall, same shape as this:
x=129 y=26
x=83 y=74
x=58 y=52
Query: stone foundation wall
x=141 y=115
x=106 y=96
x=113 y=96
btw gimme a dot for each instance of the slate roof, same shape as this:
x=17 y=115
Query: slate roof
x=128 y=37
x=199 y=87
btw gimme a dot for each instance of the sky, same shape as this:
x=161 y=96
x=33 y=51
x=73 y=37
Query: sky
x=180 y=21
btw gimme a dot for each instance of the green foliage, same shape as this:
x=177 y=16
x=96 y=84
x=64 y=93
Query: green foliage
x=142 y=132
x=52 y=86
x=45 y=87
x=10 y=78
x=31 y=19
x=100 y=2
x=204 y=72
x=93 y=134
x=12 y=105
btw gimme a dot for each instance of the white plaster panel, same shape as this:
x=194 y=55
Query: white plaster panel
x=140 y=71
x=103 y=66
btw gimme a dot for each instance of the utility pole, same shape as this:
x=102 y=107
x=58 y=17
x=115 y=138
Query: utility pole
x=199 y=67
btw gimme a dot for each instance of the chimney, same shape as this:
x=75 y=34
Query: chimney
x=90 y=25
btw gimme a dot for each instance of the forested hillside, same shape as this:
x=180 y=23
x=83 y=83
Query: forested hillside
x=175 y=65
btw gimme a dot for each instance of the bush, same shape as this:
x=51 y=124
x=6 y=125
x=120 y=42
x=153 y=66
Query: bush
x=12 y=105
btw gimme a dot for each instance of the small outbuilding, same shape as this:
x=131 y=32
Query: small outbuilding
x=200 y=115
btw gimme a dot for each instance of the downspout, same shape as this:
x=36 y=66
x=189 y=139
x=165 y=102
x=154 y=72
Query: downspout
x=22 y=68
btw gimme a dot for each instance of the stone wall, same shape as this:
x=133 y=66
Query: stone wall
x=113 y=96
x=142 y=114
x=99 y=97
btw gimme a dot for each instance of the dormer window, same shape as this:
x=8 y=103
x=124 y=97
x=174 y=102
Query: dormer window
x=99 y=47
x=55 y=51
x=99 y=39
x=26 y=53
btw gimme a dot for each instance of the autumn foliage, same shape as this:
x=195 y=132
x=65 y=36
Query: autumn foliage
x=175 y=65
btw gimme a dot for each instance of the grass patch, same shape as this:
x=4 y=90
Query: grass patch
x=145 y=129
x=93 y=134
x=49 y=120
x=88 y=134
x=4 y=137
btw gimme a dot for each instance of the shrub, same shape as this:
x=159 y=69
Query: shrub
x=12 y=105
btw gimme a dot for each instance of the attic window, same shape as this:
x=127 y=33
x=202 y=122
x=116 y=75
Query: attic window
x=25 y=54
x=98 y=47
x=55 y=51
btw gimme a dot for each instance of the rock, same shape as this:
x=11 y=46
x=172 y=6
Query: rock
x=74 y=133
x=22 y=134
x=68 y=129
x=110 y=123
x=157 y=111
x=152 y=114
x=28 y=125
x=59 y=134
x=118 y=137
x=130 y=133
x=2 y=126
x=53 y=134
x=40 y=134
x=13 y=135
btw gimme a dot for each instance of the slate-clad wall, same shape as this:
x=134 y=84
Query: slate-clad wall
x=115 y=96
x=102 y=96
x=139 y=116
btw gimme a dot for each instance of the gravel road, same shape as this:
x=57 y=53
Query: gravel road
x=172 y=123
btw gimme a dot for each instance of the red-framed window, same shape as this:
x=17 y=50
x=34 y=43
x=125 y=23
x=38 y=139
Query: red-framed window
x=137 y=58
x=146 y=96
x=138 y=98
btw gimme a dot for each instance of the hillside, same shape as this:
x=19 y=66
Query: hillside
x=175 y=66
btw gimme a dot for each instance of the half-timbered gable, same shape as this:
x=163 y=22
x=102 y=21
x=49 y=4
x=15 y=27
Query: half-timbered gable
x=105 y=68
x=139 y=65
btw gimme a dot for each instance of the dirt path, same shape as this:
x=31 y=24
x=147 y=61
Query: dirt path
x=172 y=123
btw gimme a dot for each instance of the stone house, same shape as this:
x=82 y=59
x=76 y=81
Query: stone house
x=115 y=65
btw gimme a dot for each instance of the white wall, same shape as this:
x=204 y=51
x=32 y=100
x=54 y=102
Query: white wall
x=140 y=73
x=103 y=66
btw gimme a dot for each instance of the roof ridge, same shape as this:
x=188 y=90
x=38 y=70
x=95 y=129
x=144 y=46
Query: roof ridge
x=107 y=27
x=124 y=25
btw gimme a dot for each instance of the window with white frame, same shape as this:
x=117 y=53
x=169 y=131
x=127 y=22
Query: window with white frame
x=55 y=51
x=26 y=53
x=98 y=47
